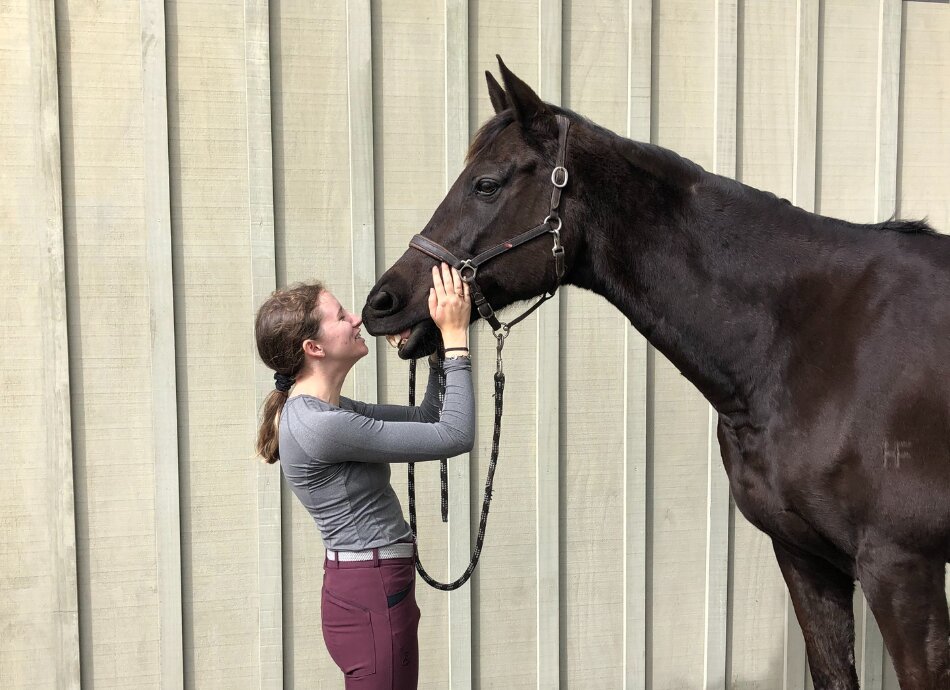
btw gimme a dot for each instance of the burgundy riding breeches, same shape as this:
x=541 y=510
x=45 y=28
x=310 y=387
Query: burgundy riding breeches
x=371 y=621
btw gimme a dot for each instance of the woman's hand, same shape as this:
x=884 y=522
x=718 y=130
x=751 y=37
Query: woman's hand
x=450 y=305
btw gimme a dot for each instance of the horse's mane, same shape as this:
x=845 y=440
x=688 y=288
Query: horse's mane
x=905 y=226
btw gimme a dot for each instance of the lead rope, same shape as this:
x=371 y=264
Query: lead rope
x=444 y=462
x=483 y=521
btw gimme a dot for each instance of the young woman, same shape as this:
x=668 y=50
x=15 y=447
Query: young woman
x=335 y=454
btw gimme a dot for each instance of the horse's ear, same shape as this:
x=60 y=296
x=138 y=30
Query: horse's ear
x=499 y=100
x=531 y=111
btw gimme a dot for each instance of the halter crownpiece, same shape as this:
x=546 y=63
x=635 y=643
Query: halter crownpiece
x=468 y=268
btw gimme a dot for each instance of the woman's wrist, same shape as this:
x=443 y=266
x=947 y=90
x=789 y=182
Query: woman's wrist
x=455 y=339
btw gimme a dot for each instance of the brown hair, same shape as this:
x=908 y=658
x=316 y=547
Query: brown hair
x=286 y=319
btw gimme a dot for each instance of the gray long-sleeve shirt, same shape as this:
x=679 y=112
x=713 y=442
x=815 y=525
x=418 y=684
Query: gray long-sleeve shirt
x=336 y=459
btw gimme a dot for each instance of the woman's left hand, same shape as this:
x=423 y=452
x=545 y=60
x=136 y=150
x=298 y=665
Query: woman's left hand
x=450 y=305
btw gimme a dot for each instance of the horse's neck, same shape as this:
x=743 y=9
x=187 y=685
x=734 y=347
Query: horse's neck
x=700 y=269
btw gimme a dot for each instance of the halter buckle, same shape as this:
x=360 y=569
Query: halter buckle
x=551 y=217
x=467 y=264
x=559 y=177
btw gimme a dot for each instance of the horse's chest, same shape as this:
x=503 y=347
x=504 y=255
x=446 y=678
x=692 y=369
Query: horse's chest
x=752 y=481
x=758 y=483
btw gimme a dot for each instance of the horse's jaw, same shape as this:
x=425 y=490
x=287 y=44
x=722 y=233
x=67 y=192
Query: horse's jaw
x=413 y=342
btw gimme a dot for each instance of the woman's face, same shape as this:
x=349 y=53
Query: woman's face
x=339 y=334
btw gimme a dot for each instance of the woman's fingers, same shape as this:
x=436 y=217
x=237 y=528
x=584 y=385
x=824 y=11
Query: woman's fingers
x=458 y=283
x=447 y=279
x=438 y=284
x=433 y=303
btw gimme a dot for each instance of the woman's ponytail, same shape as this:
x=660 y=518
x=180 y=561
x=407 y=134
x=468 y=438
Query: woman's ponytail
x=268 y=433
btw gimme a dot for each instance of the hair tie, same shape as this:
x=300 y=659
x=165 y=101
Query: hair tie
x=283 y=383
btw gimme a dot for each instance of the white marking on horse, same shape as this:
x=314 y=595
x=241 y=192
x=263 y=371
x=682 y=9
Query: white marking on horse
x=895 y=451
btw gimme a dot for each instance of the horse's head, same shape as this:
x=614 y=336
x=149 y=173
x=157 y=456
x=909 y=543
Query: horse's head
x=504 y=190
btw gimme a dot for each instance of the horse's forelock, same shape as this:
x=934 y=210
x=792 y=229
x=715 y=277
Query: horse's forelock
x=488 y=133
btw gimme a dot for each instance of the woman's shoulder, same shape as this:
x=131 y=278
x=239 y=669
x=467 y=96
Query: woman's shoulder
x=306 y=411
x=312 y=423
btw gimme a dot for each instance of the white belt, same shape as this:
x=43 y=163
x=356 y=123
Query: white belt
x=402 y=550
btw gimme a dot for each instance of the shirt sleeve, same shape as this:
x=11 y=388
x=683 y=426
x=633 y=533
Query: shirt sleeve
x=347 y=436
x=427 y=411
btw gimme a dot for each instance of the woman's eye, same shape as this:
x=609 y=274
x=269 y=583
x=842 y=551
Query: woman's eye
x=486 y=186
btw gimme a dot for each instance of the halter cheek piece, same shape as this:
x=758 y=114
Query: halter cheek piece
x=468 y=268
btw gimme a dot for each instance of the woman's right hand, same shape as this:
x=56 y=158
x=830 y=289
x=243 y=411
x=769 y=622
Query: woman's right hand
x=450 y=305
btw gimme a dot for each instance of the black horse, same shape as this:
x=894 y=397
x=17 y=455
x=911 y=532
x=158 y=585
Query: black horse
x=823 y=345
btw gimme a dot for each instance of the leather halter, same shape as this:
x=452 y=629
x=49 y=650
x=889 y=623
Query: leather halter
x=468 y=268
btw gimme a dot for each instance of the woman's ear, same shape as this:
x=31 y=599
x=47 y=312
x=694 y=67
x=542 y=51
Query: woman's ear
x=312 y=348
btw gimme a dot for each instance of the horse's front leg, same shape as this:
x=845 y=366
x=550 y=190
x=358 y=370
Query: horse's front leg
x=822 y=596
x=906 y=594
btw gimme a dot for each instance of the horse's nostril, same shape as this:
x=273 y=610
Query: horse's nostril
x=382 y=301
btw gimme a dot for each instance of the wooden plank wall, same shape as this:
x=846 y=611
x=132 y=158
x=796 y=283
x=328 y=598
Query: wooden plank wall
x=167 y=164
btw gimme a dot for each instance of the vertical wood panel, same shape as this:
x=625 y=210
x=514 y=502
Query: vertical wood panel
x=263 y=280
x=162 y=331
x=548 y=407
x=460 y=504
x=847 y=102
x=636 y=458
x=47 y=174
x=39 y=642
x=359 y=54
x=717 y=500
x=888 y=92
x=806 y=104
x=924 y=175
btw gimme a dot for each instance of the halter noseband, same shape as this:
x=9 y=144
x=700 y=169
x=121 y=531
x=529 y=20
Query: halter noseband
x=468 y=268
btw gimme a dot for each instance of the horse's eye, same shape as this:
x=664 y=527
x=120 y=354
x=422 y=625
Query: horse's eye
x=486 y=186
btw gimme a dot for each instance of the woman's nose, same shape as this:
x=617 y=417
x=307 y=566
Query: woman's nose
x=357 y=320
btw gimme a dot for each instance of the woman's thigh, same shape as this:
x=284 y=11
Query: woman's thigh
x=370 y=625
